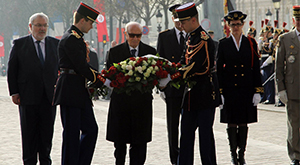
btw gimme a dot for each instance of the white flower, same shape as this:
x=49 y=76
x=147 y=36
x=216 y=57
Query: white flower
x=139 y=69
x=130 y=73
x=146 y=74
x=128 y=67
x=153 y=62
x=153 y=72
x=137 y=79
x=131 y=63
x=144 y=67
x=123 y=67
x=156 y=68
x=145 y=63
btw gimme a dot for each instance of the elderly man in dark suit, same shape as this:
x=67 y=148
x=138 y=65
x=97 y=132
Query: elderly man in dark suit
x=170 y=45
x=130 y=116
x=32 y=73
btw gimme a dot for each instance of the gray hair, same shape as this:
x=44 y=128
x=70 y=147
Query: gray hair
x=34 y=16
x=128 y=25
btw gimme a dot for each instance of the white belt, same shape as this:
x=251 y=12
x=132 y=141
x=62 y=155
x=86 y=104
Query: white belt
x=264 y=55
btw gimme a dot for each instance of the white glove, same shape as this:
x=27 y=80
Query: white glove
x=256 y=99
x=268 y=61
x=262 y=72
x=164 y=81
x=283 y=96
x=107 y=83
x=221 y=105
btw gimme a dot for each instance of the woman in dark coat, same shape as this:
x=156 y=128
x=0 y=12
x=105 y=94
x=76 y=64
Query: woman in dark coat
x=240 y=84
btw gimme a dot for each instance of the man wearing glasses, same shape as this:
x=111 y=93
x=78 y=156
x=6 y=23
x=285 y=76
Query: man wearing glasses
x=31 y=76
x=130 y=116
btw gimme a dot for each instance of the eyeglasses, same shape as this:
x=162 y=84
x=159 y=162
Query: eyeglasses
x=39 y=25
x=238 y=25
x=131 y=35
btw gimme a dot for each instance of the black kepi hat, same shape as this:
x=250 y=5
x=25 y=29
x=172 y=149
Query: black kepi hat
x=186 y=11
x=172 y=9
x=296 y=11
x=235 y=15
x=87 y=11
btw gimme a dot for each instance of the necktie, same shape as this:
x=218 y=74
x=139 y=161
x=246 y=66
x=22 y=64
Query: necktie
x=133 y=52
x=40 y=52
x=181 y=40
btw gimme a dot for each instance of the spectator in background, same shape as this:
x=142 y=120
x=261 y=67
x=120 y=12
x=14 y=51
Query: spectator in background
x=94 y=62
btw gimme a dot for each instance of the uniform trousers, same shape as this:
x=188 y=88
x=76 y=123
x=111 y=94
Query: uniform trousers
x=78 y=147
x=269 y=88
x=293 y=123
x=37 y=123
x=173 y=116
x=137 y=153
x=202 y=119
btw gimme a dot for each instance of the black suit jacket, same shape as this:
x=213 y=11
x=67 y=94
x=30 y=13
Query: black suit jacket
x=169 y=48
x=129 y=117
x=27 y=76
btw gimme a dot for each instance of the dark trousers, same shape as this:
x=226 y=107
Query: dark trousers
x=137 y=153
x=173 y=115
x=78 y=147
x=269 y=88
x=37 y=123
x=202 y=119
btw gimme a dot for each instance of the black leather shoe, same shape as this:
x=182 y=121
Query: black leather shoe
x=295 y=162
x=268 y=102
x=279 y=105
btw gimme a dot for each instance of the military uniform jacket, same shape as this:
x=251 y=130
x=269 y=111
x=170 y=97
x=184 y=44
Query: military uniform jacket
x=239 y=78
x=199 y=61
x=169 y=48
x=71 y=88
x=267 y=50
x=129 y=117
x=27 y=76
x=288 y=64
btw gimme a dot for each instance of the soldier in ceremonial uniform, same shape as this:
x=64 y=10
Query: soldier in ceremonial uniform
x=267 y=66
x=251 y=31
x=287 y=82
x=201 y=99
x=80 y=127
x=170 y=45
x=240 y=84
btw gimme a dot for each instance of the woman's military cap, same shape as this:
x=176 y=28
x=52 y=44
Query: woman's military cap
x=186 y=11
x=296 y=11
x=268 y=27
x=235 y=15
x=172 y=9
x=87 y=11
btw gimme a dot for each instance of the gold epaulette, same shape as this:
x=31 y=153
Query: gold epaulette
x=164 y=31
x=204 y=36
x=259 y=90
x=74 y=33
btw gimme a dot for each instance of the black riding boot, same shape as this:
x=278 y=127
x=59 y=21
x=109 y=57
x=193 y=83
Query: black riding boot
x=232 y=137
x=242 y=142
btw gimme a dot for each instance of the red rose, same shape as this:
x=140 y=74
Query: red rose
x=155 y=82
x=114 y=83
x=179 y=65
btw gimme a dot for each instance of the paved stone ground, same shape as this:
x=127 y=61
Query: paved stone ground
x=266 y=144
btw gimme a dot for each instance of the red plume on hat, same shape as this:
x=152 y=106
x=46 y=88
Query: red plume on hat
x=284 y=24
x=294 y=22
x=266 y=21
x=250 y=23
x=262 y=23
x=275 y=23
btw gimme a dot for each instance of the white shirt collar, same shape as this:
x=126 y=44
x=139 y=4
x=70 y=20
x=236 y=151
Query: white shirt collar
x=137 y=50
x=237 y=47
x=34 y=40
x=178 y=34
x=297 y=32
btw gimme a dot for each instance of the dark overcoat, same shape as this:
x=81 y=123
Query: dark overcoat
x=130 y=116
x=239 y=79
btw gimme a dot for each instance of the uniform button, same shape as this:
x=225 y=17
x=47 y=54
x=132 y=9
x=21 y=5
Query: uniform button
x=242 y=74
x=291 y=52
x=235 y=66
x=235 y=84
x=235 y=75
x=172 y=56
x=242 y=65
